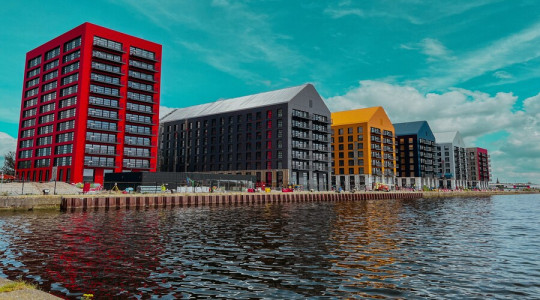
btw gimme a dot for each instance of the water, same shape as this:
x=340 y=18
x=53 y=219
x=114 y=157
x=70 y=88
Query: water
x=449 y=248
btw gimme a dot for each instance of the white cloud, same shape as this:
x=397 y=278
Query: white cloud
x=513 y=49
x=434 y=49
x=474 y=114
x=502 y=75
x=7 y=143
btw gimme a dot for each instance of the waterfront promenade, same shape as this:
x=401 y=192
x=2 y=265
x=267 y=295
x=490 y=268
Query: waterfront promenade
x=119 y=200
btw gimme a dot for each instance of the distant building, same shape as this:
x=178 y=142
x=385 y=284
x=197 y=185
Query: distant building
x=282 y=137
x=452 y=160
x=362 y=148
x=90 y=106
x=416 y=150
x=479 y=168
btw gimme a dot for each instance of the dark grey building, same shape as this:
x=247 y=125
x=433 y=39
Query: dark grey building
x=416 y=165
x=282 y=137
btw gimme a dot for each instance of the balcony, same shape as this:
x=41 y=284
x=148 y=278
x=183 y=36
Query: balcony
x=140 y=97
x=108 y=57
x=138 y=121
x=100 y=152
x=136 y=154
x=109 y=45
x=106 y=68
x=137 y=75
x=300 y=114
x=101 y=140
x=112 y=117
x=136 y=166
x=143 y=54
x=140 y=132
x=99 y=164
x=103 y=128
x=106 y=80
x=142 y=66
x=135 y=143
x=299 y=156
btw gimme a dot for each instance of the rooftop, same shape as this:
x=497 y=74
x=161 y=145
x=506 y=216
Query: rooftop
x=235 y=104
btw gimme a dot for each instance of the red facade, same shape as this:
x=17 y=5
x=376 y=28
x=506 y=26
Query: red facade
x=90 y=105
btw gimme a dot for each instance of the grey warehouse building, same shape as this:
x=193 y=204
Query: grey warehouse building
x=282 y=137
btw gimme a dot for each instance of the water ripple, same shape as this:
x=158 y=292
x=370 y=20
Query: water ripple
x=448 y=248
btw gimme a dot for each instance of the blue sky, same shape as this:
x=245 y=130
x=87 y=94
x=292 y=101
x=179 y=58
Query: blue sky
x=471 y=66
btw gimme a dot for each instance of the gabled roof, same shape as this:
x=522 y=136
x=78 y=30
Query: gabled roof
x=235 y=104
x=445 y=137
x=449 y=137
x=355 y=116
x=409 y=128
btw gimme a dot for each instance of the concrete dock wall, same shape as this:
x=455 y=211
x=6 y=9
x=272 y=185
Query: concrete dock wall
x=160 y=200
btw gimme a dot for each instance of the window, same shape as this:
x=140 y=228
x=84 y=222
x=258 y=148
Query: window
x=52 y=53
x=62 y=161
x=74 y=43
x=48 y=97
x=50 y=75
x=29 y=112
x=280 y=112
x=69 y=79
x=72 y=56
x=32 y=82
x=66 y=125
x=66 y=114
x=28 y=123
x=27 y=133
x=70 y=90
x=31 y=92
x=142 y=53
x=33 y=72
x=46 y=140
x=340 y=131
x=26 y=143
x=70 y=68
x=49 y=86
x=53 y=64
x=34 y=62
x=105 y=78
x=47 y=108
x=107 y=43
x=46 y=118
x=141 y=65
x=25 y=154
x=65 y=137
x=43 y=152
x=42 y=163
x=69 y=101
x=30 y=102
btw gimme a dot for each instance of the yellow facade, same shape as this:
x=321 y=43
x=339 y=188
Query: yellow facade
x=363 y=142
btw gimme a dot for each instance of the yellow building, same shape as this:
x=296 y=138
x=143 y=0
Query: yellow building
x=363 y=151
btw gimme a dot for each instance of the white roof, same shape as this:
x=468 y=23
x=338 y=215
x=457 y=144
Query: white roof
x=234 y=104
x=449 y=137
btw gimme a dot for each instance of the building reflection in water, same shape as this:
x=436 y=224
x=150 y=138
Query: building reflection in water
x=367 y=246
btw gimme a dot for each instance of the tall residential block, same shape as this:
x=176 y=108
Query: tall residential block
x=416 y=150
x=452 y=160
x=282 y=137
x=363 y=148
x=479 y=168
x=90 y=105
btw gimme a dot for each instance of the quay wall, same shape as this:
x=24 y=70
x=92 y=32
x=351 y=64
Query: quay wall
x=168 y=200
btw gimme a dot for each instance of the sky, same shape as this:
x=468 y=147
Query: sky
x=472 y=66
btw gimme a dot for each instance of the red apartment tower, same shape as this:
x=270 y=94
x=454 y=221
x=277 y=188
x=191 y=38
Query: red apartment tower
x=90 y=105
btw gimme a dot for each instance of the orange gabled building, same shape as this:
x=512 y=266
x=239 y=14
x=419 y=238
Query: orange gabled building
x=363 y=148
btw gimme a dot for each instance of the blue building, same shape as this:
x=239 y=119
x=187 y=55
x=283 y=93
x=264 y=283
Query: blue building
x=416 y=163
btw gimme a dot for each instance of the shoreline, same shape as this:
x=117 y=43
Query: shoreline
x=116 y=200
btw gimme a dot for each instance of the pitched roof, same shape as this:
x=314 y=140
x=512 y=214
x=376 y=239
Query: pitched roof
x=445 y=137
x=408 y=128
x=235 y=104
x=354 y=116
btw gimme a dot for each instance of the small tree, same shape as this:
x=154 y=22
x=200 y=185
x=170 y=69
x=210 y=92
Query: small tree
x=9 y=163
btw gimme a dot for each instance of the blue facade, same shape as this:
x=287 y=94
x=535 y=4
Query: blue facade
x=416 y=149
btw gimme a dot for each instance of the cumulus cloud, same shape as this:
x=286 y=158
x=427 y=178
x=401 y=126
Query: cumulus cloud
x=474 y=114
x=7 y=143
